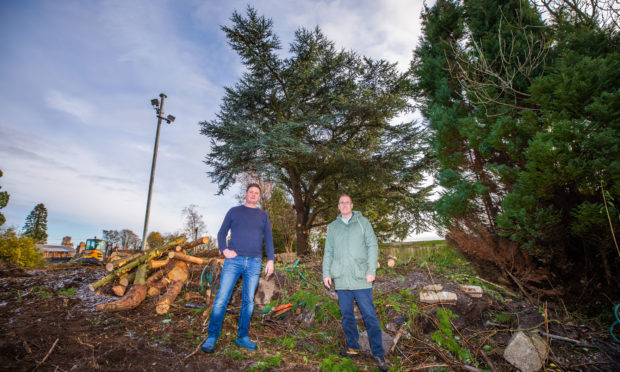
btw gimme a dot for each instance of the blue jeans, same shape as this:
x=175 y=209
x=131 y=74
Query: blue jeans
x=249 y=268
x=367 y=308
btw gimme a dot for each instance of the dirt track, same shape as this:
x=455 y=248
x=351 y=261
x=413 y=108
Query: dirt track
x=38 y=322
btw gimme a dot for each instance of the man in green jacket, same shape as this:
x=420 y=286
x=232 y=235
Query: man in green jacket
x=349 y=265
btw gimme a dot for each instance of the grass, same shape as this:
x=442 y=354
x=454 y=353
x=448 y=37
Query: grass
x=67 y=292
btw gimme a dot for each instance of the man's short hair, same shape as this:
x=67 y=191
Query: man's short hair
x=253 y=185
x=347 y=195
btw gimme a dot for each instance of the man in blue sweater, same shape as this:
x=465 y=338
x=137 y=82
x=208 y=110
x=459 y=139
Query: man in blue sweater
x=249 y=227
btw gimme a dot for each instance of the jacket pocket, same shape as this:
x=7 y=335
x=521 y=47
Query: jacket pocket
x=359 y=271
x=336 y=270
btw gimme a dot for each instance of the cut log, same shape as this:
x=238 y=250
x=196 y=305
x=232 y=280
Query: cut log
x=191 y=245
x=180 y=272
x=119 y=290
x=183 y=257
x=110 y=266
x=127 y=278
x=149 y=255
x=391 y=262
x=163 y=305
x=133 y=297
x=156 y=264
x=156 y=288
x=155 y=277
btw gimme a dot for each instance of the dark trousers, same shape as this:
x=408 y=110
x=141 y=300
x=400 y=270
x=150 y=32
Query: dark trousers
x=366 y=306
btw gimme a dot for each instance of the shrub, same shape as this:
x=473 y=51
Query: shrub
x=18 y=250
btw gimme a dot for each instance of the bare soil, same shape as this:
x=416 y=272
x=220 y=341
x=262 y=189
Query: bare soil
x=46 y=327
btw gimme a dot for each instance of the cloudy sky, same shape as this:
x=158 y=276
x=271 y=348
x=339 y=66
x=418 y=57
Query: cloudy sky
x=77 y=76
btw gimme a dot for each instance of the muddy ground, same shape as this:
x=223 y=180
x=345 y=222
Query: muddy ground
x=48 y=323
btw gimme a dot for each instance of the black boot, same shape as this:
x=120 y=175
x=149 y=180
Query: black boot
x=381 y=363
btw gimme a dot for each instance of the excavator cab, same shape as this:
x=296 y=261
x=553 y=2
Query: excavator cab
x=95 y=251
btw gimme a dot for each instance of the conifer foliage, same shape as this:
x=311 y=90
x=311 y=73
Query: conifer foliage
x=36 y=224
x=319 y=123
x=522 y=102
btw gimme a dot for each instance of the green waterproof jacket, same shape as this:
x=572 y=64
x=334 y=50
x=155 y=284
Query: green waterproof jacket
x=351 y=252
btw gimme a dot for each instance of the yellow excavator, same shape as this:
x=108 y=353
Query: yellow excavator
x=96 y=251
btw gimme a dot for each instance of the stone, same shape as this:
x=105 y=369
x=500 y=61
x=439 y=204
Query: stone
x=266 y=291
x=474 y=291
x=433 y=287
x=526 y=352
x=433 y=297
x=388 y=342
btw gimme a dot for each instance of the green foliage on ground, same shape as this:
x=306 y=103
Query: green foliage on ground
x=324 y=307
x=19 y=250
x=444 y=336
x=268 y=362
x=335 y=363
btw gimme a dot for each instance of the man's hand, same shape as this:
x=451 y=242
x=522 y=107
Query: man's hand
x=370 y=278
x=229 y=253
x=328 y=282
x=269 y=268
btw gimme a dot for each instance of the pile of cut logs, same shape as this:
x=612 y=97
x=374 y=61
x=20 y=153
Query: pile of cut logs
x=161 y=271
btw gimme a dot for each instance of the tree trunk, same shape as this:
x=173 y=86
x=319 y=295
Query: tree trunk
x=163 y=305
x=133 y=298
x=183 y=257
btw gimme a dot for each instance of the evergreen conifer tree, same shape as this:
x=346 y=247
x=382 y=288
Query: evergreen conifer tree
x=319 y=123
x=36 y=224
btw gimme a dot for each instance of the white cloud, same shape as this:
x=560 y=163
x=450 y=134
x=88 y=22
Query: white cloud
x=79 y=108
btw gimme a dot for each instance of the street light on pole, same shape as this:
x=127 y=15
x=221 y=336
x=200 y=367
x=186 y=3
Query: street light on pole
x=158 y=105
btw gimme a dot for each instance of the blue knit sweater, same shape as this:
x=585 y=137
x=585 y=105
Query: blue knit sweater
x=249 y=227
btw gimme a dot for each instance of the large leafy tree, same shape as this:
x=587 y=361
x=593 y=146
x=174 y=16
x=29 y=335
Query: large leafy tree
x=523 y=117
x=36 y=224
x=319 y=123
x=4 y=200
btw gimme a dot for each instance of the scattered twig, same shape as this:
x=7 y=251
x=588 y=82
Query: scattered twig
x=430 y=366
x=566 y=339
x=397 y=337
x=196 y=349
x=46 y=355
x=489 y=362
x=84 y=343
